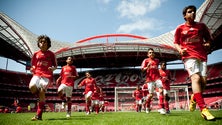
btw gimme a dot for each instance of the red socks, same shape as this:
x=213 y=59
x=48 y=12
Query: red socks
x=40 y=109
x=161 y=101
x=199 y=100
x=69 y=106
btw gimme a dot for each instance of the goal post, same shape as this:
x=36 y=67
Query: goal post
x=123 y=98
x=179 y=98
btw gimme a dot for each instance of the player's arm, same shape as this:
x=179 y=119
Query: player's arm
x=54 y=63
x=81 y=84
x=145 y=66
x=133 y=94
x=207 y=38
x=181 y=50
x=58 y=81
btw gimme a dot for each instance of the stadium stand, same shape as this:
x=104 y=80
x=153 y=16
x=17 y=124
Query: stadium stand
x=15 y=84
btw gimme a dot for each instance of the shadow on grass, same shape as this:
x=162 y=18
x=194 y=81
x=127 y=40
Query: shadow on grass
x=218 y=118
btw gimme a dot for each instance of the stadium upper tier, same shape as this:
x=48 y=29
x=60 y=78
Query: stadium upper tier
x=105 y=50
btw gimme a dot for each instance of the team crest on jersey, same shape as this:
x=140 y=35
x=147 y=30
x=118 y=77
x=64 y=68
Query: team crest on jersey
x=185 y=32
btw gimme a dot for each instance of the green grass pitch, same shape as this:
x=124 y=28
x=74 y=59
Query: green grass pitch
x=112 y=118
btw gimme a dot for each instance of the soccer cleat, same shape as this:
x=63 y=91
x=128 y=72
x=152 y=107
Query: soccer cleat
x=192 y=105
x=168 y=112
x=63 y=105
x=87 y=113
x=162 y=111
x=68 y=115
x=35 y=118
x=148 y=110
x=207 y=115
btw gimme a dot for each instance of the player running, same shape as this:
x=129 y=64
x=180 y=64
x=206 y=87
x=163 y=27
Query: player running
x=95 y=99
x=192 y=40
x=138 y=95
x=43 y=64
x=165 y=78
x=145 y=97
x=65 y=82
x=150 y=66
x=89 y=83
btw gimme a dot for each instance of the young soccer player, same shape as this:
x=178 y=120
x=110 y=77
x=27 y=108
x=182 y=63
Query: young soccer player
x=95 y=99
x=145 y=97
x=43 y=64
x=165 y=78
x=192 y=40
x=138 y=95
x=150 y=66
x=66 y=81
x=101 y=100
x=89 y=83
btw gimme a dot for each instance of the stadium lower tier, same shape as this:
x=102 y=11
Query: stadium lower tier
x=15 y=85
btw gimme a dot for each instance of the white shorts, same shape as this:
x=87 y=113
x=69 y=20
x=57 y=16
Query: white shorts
x=101 y=102
x=89 y=94
x=166 y=92
x=145 y=98
x=67 y=90
x=139 y=102
x=95 y=102
x=153 y=85
x=39 y=82
x=195 y=66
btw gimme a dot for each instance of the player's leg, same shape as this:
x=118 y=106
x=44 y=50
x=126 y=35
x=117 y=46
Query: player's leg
x=88 y=101
x=196 y=69
x=150 y=95
x=96 y=106
x=159 y=85
x=166 y=100
x=43 y=82
x=61 y=92
x=68 y=100
x=34 y=85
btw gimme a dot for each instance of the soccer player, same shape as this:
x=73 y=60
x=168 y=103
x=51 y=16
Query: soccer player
x=145 y=97
x=89 y=83
x=166 y=78
x=138 y=95
x=192 y=40
x=95 y=99
x=65 y=82
x=101 y=101
x=43 y=64
x=150 y=66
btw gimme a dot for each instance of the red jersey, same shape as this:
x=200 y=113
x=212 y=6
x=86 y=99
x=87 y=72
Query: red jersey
x=192 y=39
x=42 y=61
x=66 y=72
x=101 y=98
x=89 y=84
x=152 y=73
x=138 y=94
x=96 y=93
x=145 y=89
x=165 y=78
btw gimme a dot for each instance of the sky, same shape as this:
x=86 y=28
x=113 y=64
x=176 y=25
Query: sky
x=73 y=20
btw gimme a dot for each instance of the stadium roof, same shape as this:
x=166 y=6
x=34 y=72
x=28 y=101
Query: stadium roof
x=108 y=50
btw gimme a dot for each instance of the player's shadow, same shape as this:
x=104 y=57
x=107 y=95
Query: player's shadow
x=218 y=118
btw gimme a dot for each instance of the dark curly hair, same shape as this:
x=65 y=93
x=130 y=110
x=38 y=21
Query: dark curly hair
x=46 y=38
x=189 y=7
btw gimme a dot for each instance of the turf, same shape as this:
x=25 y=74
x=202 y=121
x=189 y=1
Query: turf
x=112 y=118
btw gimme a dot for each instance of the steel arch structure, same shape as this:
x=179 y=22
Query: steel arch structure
x=114 y=53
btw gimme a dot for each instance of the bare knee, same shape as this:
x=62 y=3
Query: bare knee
x=33 y=89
